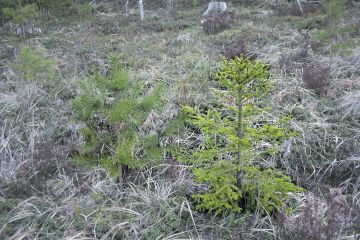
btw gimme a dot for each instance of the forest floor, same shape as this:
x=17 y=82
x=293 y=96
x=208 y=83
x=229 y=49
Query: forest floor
x=315 y=81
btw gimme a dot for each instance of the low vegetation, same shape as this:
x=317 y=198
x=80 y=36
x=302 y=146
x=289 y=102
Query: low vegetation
x=244 y=126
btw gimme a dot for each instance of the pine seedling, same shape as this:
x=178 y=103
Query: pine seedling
x=113 y=108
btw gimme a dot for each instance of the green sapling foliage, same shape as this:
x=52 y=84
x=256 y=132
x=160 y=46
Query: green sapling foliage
x=14 y=11
x=237 y=138
x=113 y=108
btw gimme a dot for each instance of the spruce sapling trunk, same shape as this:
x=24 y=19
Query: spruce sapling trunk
x=239 y=135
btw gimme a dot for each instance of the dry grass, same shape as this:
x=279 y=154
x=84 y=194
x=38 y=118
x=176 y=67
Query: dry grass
x=156 y=207
x=97 y=208
x=316 y=77
x=297 y=8
x=173 y=50
x=320 y=219
x=350 y=105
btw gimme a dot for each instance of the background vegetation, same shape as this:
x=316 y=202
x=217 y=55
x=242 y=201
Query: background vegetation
x=116 y=128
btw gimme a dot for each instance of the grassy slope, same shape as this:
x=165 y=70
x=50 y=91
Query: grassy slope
x=175 y=51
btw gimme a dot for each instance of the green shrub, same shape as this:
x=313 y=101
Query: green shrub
x=335 y=9
x=34 y=67
x=16 y=13
x=20 y=11
x=113 y=108
x=237 y=138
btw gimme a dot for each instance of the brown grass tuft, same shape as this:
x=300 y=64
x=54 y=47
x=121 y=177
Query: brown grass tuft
x=316 y=77
x=217 y=22
x=31 y=176
x=319 y=219
x=235 y=49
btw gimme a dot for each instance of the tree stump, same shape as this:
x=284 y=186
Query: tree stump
x=215 y=7
x=217 y=18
